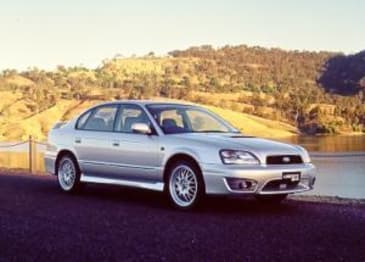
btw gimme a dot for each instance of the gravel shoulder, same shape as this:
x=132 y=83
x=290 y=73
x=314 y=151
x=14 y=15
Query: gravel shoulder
x=38 y=222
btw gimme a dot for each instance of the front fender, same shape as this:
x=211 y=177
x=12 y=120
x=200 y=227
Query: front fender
x=181 y=150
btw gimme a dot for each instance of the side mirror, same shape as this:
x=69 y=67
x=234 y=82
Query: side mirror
x=141 y=128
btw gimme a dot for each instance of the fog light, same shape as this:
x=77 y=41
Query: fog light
x=308 y=182
x=243 y=185
x=240 y=184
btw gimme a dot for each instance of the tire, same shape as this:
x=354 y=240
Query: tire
x=68 y=174
x=185 y=186
x=271 y=199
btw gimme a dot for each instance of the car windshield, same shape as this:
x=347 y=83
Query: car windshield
x=174 y=119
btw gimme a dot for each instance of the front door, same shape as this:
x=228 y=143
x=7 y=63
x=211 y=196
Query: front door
x=135 y=156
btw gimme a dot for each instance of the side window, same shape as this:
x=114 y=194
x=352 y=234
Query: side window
x=102 y=119
x=171 y=118
x=82 y=120
x=130 y=114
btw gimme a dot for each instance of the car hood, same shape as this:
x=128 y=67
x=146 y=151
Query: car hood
x=260 y=146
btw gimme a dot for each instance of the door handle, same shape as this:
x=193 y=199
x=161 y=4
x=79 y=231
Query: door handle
x=116 y=143
x=78 y=140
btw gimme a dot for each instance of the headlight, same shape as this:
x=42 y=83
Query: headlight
x=306 y=158
x=238 y=157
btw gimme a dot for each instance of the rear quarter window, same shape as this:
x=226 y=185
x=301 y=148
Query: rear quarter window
x=82 y=120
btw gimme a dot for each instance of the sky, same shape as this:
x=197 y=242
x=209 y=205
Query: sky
x=47 y=33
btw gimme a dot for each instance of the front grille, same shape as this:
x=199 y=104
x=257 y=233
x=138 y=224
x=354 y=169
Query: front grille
x=277 y=185
x=284 y=160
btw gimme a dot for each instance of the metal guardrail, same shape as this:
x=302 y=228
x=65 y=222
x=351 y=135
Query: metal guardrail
x=31 y=150
x=13 y=145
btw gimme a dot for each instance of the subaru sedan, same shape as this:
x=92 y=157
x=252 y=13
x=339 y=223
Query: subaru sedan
x=183 y=150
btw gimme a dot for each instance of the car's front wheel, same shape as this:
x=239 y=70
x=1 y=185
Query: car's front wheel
x=271 y=199
x=185 y=186
x=68 y=174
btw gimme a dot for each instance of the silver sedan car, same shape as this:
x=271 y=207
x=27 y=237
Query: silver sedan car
x=183 y=150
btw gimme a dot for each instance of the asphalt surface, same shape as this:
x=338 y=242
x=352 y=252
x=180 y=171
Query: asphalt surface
x=38 y=222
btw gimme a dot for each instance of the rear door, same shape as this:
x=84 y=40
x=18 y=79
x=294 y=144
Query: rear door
x=93 y=140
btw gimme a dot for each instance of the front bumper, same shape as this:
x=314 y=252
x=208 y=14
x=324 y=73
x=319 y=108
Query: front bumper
x=216 y=178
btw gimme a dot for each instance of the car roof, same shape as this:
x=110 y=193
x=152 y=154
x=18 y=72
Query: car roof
x=147 y=102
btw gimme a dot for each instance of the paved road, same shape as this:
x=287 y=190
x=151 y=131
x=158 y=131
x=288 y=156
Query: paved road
x=40 y=223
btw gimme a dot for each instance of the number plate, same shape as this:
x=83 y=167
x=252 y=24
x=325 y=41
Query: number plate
x=292 y=176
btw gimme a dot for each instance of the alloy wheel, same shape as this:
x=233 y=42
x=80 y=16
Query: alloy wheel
x=67 y=174
x=183 y=186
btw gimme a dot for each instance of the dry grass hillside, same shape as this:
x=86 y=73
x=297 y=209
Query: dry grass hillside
x=17 y=121
x=258 y=88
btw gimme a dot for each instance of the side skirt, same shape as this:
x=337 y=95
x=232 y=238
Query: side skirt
x=158 y=186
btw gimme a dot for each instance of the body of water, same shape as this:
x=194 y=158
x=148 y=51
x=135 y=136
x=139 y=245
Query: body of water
x=333 y=143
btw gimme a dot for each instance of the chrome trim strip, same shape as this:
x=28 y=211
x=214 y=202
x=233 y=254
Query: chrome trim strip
x=301 y=187
x=98 y=163
x=292 y=191
x=158 y=186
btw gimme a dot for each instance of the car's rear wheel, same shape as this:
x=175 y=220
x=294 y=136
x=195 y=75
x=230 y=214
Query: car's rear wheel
x=68 y=174
x=185 y=186
x=271 y=199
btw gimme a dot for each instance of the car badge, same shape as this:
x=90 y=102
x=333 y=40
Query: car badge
x=286 y=159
